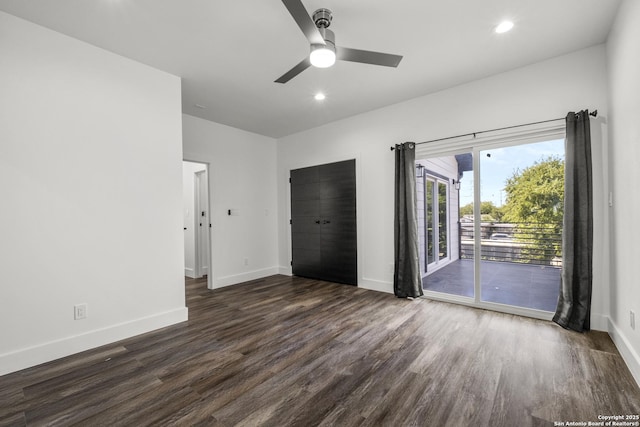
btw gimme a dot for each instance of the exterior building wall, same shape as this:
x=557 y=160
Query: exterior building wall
x=443 y=169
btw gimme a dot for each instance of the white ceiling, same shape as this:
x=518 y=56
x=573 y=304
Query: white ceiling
x=229 y=52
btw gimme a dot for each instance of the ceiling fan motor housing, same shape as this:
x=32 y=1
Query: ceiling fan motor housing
x=329 y=37
x=322 y=18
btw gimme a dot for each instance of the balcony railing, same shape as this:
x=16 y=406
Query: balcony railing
x=538 y=244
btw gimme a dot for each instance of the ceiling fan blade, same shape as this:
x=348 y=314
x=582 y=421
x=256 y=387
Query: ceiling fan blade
x=304 y=21
x=302 y=65
x=367 y=57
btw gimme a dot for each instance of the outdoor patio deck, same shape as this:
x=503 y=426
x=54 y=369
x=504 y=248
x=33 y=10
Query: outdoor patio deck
x=522 y=285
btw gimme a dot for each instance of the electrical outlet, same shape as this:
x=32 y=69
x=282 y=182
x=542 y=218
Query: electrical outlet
x=79 y=311
x=632 y=319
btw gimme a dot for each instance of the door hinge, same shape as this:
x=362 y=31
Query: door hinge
x=289 y=180
x=291 y=263
x=290 y=221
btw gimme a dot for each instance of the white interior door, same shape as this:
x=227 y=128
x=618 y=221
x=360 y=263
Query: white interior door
x=201 y=222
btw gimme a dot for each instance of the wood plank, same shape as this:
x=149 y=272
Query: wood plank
x=291 y=351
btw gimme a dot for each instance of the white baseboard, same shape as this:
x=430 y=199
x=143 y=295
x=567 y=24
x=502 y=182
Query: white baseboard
x=188 y=272
x=221 y=282
x=376 y=285
x=599 y=322
x=630 y=356
x=285 y=271
x=36 y=355
x=364 y=283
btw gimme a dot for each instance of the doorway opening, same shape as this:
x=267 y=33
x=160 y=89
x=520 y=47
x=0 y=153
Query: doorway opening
x=197 y=224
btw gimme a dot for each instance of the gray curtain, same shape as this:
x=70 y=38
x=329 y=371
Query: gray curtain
x=574 y=303
x=406 y=276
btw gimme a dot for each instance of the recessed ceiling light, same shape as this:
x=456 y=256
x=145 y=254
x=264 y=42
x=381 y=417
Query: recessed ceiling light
x=504 y=26
x=319 y=96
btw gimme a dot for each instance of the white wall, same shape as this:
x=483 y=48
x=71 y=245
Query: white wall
x=188 y=205
x=542 y=91
x=623 y=55
x=242 y=177
x=90 y=183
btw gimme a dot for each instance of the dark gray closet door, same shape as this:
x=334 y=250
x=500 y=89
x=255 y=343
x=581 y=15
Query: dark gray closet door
x=323 y=222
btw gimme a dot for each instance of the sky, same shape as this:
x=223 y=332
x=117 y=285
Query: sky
x=500 y=165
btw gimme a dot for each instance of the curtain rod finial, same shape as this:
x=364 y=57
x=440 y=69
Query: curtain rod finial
x=392 y=148
x=594 y=113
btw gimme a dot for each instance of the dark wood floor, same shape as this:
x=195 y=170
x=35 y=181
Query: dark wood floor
x=288 y=351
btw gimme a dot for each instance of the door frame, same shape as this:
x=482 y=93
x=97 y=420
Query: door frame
x=211 y=231
x=505 y=138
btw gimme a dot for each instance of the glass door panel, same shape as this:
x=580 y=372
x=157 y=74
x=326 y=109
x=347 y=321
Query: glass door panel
x=521 y=210
x=443 y=220
x=429 y=221
x=447 y=232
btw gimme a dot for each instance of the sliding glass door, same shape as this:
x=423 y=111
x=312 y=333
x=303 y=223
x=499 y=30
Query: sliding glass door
x=441 y=228
x=493 y=225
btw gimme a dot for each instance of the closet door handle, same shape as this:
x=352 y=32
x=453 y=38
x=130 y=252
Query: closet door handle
x=326 y=222
x=317 y=221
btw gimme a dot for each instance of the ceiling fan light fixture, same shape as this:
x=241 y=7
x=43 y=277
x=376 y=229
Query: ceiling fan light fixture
x=322 y=41
x=322 y=56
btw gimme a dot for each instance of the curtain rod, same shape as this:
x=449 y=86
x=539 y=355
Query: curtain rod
x=593 y=114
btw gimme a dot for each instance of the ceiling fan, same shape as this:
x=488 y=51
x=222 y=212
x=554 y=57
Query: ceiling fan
x=324 y=51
